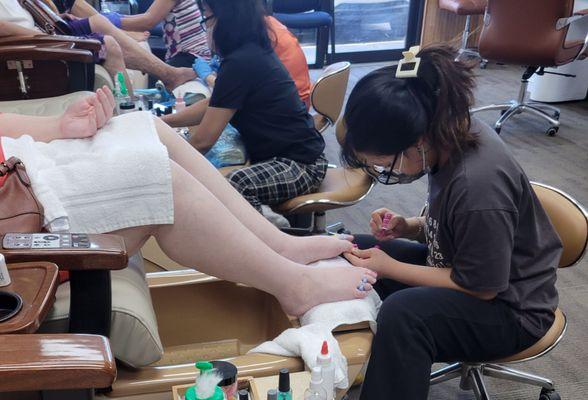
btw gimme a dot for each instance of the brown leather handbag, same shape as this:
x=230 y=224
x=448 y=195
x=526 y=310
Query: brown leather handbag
x=20 y=211
x=48 y=20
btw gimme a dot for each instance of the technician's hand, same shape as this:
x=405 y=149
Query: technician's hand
x=202 y=68
x=374 y=259
x=84 y=117
x=397 y=226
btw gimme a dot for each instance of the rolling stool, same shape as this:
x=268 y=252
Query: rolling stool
x=342 y=187
x=571 y=223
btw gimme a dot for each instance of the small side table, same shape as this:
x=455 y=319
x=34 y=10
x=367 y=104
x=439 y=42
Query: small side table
x=35 y=283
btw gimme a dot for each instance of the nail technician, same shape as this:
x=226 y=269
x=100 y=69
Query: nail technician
x=474 y=278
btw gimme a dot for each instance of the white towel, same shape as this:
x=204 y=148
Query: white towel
x=119 y=178
x=318 y=324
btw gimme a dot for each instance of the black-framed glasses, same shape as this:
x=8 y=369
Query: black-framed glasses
x=384 y=175
x=205 y=20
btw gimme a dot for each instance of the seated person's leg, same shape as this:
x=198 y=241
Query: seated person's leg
x=423 y=325
x=138 y=58
x=278 y=180
x=114 y=61
x=298 y=249
x=208 y=236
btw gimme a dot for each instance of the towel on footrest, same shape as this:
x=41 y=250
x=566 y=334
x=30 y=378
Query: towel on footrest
x=318 y=324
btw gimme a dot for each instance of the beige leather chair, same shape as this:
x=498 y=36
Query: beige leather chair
x=570 y=220
x=165 y=316
x=523 y=33
x=342 y=187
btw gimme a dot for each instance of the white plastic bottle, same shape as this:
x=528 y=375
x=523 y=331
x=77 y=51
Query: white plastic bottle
x=315 y=391
x=327 y=371
x=4 y=275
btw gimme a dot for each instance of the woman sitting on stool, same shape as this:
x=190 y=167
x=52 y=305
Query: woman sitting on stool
x=477 y=280
x=255 y=93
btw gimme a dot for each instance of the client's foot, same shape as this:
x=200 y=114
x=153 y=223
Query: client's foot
x=325 y=285
x=180 y=75
x=307 y=249
x=139 y=36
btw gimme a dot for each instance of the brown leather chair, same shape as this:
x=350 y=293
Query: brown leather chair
x=34 y=67
x=467 y=8
x=342 y=187
x=527 y=33
x=570 y=220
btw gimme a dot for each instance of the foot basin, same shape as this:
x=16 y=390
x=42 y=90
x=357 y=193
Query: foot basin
x=201 y=317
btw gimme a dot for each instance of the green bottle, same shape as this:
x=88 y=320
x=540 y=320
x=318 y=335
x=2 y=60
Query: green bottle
x=205 y=368
x=284 y=390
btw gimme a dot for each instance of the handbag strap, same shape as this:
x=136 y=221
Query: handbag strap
x=9 y=165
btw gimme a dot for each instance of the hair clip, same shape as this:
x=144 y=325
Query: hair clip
x=408 y=67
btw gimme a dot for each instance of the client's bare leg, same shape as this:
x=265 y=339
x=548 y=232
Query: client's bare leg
x=138 y=58
x=300 y=249
x=138 y=36
x=208 y=236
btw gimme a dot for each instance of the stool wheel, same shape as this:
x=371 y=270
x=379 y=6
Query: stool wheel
x=549 y=394
x=552 y=131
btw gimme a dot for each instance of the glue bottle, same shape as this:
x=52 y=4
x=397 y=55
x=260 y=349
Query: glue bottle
x=315 y=391
x=325 y=361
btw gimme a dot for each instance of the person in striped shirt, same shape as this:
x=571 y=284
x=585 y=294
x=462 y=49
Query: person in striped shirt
x=182 y=31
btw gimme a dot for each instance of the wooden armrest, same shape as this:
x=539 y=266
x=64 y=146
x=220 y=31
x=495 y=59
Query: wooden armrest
x=107 y=252
x=79 y=43
x=51 y=362
x=30 y=52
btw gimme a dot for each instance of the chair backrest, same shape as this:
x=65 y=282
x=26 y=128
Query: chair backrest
x=569 y=219
x=524 y=31
x=328 y=93
x=295 y=6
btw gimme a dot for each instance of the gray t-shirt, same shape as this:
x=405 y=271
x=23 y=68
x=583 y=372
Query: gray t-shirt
x=486 y=223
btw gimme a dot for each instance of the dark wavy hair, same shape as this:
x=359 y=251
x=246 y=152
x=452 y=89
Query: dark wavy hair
x=238 y=22
x=386 y=115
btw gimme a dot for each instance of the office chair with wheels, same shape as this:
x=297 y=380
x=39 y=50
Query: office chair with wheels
x=307 y=14
x=467 y=8
x=522 y=33
x=570 y=220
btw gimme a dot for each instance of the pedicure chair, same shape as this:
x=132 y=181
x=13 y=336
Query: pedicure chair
x=161 y=322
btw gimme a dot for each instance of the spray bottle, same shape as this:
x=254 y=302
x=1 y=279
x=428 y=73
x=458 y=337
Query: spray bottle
x=206 y=387
x=327 y=371
x=315 y=391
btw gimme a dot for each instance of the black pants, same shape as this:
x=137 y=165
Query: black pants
x=418 y=326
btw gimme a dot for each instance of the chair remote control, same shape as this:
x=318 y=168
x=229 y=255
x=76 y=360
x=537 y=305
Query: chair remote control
x=39 y=241
x=71 y=251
